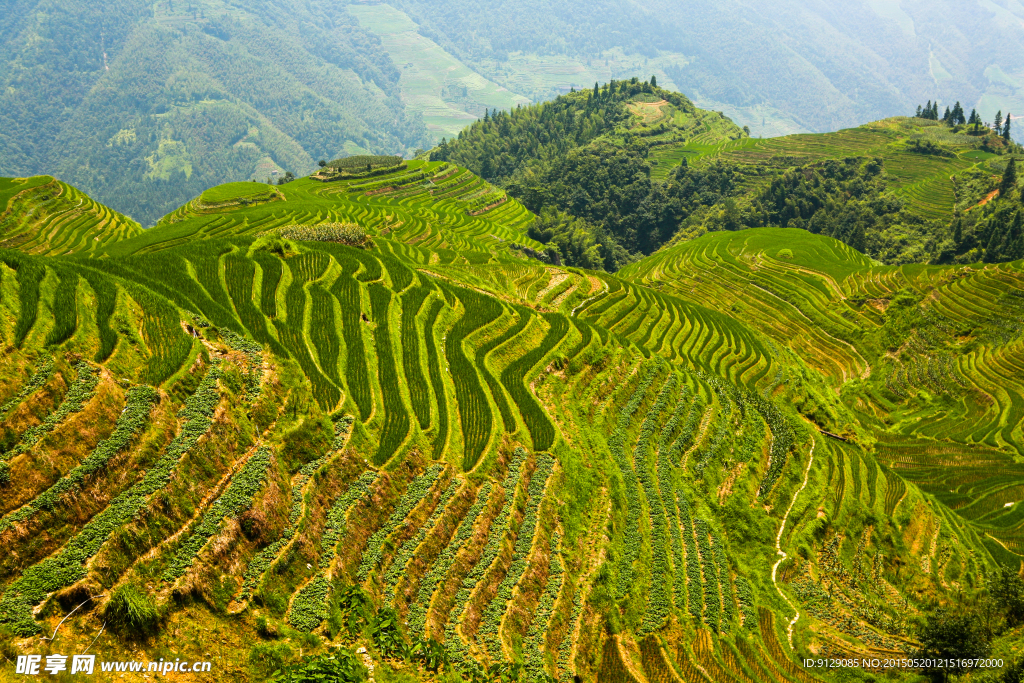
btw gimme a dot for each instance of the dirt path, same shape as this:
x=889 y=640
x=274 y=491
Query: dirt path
x=778 y=546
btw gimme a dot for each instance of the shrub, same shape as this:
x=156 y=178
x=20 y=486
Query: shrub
x=130 y=612
x=339 y=666
x=350 y=234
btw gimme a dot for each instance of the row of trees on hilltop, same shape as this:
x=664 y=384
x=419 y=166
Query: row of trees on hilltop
x=956 y=117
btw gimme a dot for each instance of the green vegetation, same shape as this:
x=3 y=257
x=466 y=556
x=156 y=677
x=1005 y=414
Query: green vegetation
x=474 y=462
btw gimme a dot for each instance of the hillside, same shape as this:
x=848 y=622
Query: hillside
x=628 y=167
x=145 y=105
x=353 y=411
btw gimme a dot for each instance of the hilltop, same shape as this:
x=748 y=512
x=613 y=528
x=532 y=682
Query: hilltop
x=618 y=171
x=357 y=410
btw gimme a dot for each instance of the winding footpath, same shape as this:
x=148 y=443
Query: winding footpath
x=782 y=555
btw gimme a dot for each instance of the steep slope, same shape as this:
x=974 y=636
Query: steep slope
x=437 y=441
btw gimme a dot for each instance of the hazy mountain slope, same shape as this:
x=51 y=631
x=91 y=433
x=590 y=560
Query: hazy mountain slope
x=825 y=64
x=146 y=105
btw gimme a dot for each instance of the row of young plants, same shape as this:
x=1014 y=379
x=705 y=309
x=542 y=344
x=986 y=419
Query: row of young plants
x=345 y=289
x=439 y=568
x=396 y=417
x=74 y=401
x=67 y=566
x=39 y=377
x=783 y=440
x=492 y=614
x=132 y=421
x=631 y=534
x=533 y=657
x=419 y=393
x=724 y=582
x=474 y=408
x=237 y=499
x=436 y=378
x=323 y=331
x=659 y=601
x=261 y=562
x=310 y=605
x=542 y=431
x=745 y=597
x=374 y=555
x=694 y=582
x=65 y=308
x=495 y=539
x=405 y=551
x=666 y=487
x=337 y=517
x=712 y=596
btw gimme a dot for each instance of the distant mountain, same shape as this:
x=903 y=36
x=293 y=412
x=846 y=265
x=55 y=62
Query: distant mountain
x=795 y=65
x=617 y=172
x=145 y=104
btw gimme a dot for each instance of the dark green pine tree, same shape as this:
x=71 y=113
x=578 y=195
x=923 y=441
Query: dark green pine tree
x=999 y=122
x=935 y=111
x=992 y=251
x=1006 y=127
x=654 y=81
x=597 y=89
x=1009 y=179
x=1014 y=245
x=920 y=112
x=927 y=110
x=945 y=117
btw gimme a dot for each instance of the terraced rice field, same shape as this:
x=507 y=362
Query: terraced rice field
x=493 y=454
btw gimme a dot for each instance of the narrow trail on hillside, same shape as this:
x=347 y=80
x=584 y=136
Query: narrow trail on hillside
x=783 y=556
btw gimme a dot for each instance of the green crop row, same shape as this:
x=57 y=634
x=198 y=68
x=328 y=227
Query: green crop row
x=259 y=565
x=695 y=593
x=533 y=658
x=783 y=439
x=133 y=419
x=338 y=515
x=745 y=596
x=507 y=418
x=240 y=275
x=542 y=432
x=712 y=596
x=419 y=487
x=405 y=551
x=666 y=487
x=106 y=302
x=237 y=499
x=30 y=275
x=491 y=619
x=728 y=606
x=253 y=353
x=67 y=566
x=495 y=539
x=357 y=376
x=412 y=302
x=396 y=418
x=65 y=309
x=474 y=409
x=39 y=377
x=323 y=332
x=74 y=401
x=631 y=534
x=309 y=607
x=659 y=602
x=445 y=560
x=436 y=378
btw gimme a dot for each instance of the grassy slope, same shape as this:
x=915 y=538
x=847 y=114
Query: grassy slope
x=681 y=399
